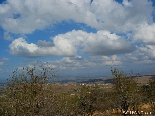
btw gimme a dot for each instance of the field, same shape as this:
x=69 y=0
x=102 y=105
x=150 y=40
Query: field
x=102 y=82
x=96 y=97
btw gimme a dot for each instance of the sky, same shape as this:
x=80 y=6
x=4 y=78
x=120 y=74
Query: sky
x=78 y=38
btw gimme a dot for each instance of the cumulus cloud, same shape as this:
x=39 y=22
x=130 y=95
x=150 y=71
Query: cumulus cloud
x=72 y=63
x=7 y=36
x=148 y=51
x=142 y=56
x=106 y=60
x=26 y=16
x=79 y=66
x=127 y=3
x=122 y=18
x=100 y=65
x=80 y=63
x=100 y=43
x=105 y=43
x=135 y=61
x=77 y=62
x=145 y=34
x=19 y=47
x=45 y=44
x=132 y=18
x=39 y=14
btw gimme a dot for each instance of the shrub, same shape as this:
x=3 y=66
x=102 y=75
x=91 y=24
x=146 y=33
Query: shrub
x=127 y=92
x=25 y=91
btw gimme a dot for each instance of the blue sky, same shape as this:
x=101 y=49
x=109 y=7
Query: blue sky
x=79 y=38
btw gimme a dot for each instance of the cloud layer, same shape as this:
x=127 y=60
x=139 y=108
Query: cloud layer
x=26 y=16
x=124 y=32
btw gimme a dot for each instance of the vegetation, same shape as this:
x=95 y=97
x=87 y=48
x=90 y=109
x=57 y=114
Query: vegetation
x=151 y=93
x=27 y=93
x=127 y=91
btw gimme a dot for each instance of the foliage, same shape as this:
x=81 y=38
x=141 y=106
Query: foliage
x=126 y=90
x=27 y=93
x=151 y=92
x=88 y=100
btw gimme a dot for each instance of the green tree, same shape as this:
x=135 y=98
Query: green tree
x=88 y=100
x=25 y=91
x=126 y=91
x=151 y=92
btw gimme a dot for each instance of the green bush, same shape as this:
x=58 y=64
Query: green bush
x=127 y=92
x=25 y=91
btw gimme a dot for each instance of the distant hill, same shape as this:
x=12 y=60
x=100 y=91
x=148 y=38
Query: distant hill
x=143 y=79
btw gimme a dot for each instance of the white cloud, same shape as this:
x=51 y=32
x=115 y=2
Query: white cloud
x=1 y=63
x=82 y=63
x=127 y=3
x=19 y=47
x=65 y=63
x=99 y=65
x=105 y=43
x=39 y=14
x=145 y=34
x=7 y=36
x=78 y=65
x=133 y=61
x=106 y=60
x=4 y=59
x=26 y=16
x=142 y=57
x=133 y=18
x=119 y=18
x=147 y=51
x=72 y=63
x=100 y=43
